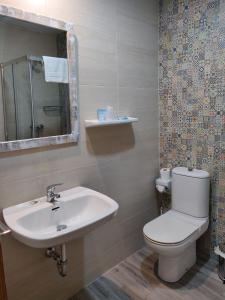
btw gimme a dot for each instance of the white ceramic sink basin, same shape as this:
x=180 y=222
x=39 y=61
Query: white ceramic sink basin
x=41 y=224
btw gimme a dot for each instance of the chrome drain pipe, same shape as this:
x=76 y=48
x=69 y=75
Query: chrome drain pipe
x=60 y=259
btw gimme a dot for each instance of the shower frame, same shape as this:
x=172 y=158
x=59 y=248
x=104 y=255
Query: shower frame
x=29 y=59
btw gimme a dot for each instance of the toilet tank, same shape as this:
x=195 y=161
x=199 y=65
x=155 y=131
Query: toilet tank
x=190 y=191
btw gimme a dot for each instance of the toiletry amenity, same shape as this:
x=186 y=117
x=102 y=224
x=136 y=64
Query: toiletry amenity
x=101 y=114
x=106 y=114
x=122 y=117
x=110 y=113
x=56 y=69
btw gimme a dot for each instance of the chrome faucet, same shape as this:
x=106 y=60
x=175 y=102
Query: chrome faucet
x=51 y=195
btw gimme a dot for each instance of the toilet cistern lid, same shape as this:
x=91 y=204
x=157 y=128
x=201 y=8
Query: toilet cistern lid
x=171 y=228
x=194 y=173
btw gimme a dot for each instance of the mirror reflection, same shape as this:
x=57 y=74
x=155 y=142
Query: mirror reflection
x=34 y=95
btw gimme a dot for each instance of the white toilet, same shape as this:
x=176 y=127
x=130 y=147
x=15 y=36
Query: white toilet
x=173 y=235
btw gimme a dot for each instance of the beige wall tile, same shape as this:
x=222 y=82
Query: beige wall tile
x=136 y=69
x=142 y=10
x=97 y=68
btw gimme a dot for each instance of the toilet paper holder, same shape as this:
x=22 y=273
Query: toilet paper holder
x=163 y=185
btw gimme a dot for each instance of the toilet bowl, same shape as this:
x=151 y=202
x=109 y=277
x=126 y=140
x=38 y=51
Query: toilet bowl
x=173 y=235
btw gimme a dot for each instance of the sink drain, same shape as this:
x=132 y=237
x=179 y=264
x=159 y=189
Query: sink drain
x=61 y=227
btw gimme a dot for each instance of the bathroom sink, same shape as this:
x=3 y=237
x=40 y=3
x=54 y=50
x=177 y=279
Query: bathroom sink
x=41 y=224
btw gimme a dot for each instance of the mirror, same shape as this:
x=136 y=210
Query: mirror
x=38 y=87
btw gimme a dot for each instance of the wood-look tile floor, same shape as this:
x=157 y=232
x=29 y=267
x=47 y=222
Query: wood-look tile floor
x=135 y=279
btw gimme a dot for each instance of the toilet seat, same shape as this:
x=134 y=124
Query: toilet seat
x=174 y=228
x=166 y=244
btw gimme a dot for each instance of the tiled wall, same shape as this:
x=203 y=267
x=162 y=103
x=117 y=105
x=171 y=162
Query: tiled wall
x=192 y=94
x=118 y=50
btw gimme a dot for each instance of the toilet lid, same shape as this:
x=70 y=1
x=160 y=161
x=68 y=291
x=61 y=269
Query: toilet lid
x=171 y=228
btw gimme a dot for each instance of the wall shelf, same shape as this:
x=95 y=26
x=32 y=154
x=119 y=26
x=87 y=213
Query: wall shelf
x=97 y=123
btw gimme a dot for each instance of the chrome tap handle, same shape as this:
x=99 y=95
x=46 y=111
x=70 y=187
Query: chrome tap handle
x=51 y=188
x=51 y=195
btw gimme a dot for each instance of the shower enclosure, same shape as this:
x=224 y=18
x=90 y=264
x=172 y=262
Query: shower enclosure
x=32 y=107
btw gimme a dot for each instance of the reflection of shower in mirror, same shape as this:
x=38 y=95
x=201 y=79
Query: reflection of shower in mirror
x=25 y=96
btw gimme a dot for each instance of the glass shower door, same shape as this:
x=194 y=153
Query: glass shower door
x=47 y=105
x=17 y=101
x=23 y=100
x=9 y=107
x=32 y=107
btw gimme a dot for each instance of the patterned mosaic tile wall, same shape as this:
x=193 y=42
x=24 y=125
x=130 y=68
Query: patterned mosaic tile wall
x=192 y=94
